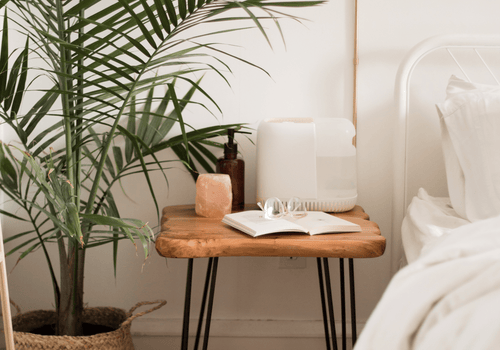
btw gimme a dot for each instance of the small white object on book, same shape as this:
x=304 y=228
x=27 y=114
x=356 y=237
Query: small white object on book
x=253 y=223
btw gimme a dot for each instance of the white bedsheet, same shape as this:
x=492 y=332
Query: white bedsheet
x=449 y=298
x=427 y=218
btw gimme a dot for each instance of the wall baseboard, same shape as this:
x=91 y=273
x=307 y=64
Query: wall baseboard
x=243 y=328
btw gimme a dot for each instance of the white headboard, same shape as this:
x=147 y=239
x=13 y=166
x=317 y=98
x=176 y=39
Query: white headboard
x=449 y=44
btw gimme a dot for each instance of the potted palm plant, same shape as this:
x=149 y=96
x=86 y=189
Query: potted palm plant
x=101 y=64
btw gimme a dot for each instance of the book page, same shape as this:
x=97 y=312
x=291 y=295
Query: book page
x=316 y=222
x=255 y=224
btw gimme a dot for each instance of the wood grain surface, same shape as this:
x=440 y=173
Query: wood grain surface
x=187 y=235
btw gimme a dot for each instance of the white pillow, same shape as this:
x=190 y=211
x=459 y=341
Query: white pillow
x=470 y=121
x=427 y=219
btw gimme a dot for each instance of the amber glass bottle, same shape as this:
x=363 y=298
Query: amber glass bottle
x=233 y=166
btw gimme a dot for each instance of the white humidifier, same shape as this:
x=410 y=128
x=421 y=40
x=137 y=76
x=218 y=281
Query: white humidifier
x=313 y=159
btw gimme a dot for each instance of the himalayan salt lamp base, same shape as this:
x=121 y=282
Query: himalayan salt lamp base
x=214 y=196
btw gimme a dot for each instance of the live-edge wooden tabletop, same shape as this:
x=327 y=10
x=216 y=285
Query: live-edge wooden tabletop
x=184 y=234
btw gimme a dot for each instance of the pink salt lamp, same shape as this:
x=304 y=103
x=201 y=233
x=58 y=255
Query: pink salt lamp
x=213 y=195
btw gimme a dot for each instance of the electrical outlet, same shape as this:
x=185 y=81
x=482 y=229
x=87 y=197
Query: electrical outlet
x=292 y=262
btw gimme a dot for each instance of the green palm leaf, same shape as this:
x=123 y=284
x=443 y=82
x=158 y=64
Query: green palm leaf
x=102 y=64
x=4 y=56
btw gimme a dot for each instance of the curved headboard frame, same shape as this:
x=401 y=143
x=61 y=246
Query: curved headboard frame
x=402 y=99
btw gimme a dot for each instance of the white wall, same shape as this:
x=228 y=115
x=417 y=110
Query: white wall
x=311 y=78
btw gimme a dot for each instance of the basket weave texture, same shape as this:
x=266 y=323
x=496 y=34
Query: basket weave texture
x=120 y=339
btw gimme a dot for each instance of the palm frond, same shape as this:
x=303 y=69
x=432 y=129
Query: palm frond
x=102 y=66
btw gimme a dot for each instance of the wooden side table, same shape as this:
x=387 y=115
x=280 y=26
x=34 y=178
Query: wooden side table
x=187 y=235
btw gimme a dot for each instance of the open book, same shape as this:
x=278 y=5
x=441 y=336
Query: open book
x=254 y=223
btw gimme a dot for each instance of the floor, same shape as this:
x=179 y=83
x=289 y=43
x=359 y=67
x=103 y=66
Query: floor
x=230 y=343
x=147 y=343
x=152 y=343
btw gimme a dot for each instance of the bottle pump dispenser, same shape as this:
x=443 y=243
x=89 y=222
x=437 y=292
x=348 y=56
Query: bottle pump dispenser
x=233 y=166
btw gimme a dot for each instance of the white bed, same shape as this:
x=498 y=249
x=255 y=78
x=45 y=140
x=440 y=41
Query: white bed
x=448 y=296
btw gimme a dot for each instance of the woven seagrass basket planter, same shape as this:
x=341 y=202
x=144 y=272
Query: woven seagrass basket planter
x=118 y=339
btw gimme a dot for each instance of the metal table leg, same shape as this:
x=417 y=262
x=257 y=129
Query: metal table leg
x=324 y=283
x=342 y=302
x=210 y=304
x=323 y=303
x=353 y=302
x=203 y=303
x=330 y=302
x=210 y=280
x=187 y=306
x=330 y=314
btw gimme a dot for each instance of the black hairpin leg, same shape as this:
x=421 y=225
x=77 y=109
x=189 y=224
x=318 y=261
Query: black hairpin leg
x=323 y=303
x=203 y=303
x=342 y=302
x=210 y=304
x=324 y=283
x=187 y=306
x=330 y=302
x=210 y=280
x=353 y=302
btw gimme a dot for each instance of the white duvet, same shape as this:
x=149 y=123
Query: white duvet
x=448 y=298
